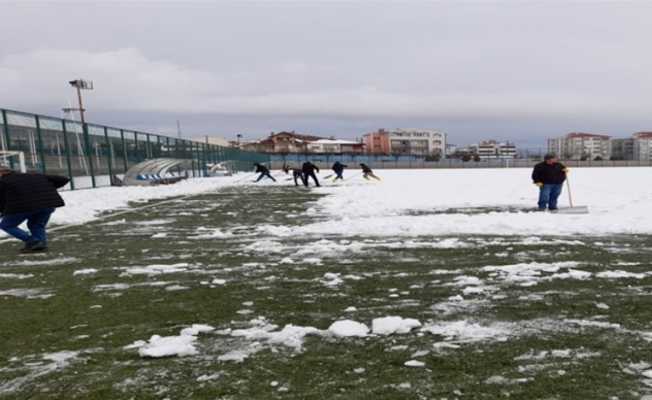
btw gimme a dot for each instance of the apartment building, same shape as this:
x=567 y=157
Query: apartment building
x=581 y=146
x=491 y=149
x=418 y=142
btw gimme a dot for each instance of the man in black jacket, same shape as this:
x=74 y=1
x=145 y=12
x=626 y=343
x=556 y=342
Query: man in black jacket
x=309 y=169
x=338 y=168
x=549 y=176
x=32 y=198
x=263 y=171
x=367 y=172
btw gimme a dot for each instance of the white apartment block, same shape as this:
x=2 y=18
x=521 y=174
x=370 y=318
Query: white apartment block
x=420 y=142
x=491 y=149
x=581 y=146
x=642 y=146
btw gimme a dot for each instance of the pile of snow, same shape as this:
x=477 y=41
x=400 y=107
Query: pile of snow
x=168 y=346
x=290 y=336
x=391 y=325
x=85 y=271
x=526 y=274
x=332 y=279
x=348 y=328
x=465 y=331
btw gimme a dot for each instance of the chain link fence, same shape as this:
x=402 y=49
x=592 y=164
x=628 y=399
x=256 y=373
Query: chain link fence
x=92 y=154
x=409 y=162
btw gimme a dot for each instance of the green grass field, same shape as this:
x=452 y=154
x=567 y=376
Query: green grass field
x=565 y=331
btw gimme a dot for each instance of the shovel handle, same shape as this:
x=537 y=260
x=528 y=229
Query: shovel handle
x=570 y=196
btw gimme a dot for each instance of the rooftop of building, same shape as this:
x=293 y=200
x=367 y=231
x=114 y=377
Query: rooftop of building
x=586 y=135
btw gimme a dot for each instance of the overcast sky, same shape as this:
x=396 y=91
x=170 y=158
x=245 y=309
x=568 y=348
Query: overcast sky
x=516 y=70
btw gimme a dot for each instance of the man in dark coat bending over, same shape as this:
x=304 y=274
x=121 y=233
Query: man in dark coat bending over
x=338 y=168
x=549 y=176
x=263 y=171
x=32 y=198
x=309 y=169
x=297 y=174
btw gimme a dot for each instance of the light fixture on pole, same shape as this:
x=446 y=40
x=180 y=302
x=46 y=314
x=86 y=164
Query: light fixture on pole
x=80 y=85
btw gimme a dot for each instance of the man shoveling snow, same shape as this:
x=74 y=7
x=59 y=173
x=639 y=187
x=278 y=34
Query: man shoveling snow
x=549 y=176
x=32 y=198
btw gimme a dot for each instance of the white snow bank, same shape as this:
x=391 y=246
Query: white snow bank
x=168 y=346
x=391 y=325
x=619 y=203
x=348 y=328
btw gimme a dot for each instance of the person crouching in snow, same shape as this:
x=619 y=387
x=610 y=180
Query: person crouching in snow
x=32 y=198
x=367 y=172
x=297 y=174
x=338 y=168
x=549 y=176
x=308 y=170
x=263 y=171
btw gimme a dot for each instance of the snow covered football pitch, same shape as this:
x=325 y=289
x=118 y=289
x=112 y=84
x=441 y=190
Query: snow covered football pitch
x=427 y=285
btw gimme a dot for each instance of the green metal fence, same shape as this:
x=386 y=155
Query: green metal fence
x=91 y=154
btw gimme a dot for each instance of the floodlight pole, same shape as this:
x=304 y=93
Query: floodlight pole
x=80 y=84
x=81 y=105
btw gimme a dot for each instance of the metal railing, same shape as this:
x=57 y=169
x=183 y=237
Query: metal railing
x=91 y=154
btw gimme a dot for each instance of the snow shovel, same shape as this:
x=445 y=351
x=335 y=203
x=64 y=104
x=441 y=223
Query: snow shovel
x=572 y=209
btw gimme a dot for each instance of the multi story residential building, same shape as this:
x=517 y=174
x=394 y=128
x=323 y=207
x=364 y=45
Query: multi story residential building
x=377 y=142
x=419 y=142
x=491 y=149
x=336 y=146
x=622 y=149
x=642 y=146
x=581 y=146
x=282 y=142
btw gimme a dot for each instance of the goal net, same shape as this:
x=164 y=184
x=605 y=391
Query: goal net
x=13 y=159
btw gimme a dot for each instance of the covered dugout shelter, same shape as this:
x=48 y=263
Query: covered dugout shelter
x=158 y=171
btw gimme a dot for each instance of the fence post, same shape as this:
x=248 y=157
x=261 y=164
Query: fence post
x=68 y=161
x=136 y=147
x=89 y=154
x=124 y=150
x=110 y=149
x=41 y=153
x=148 y=148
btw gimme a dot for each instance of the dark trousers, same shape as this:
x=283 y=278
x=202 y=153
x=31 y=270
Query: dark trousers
x=306 y=179
x=298 y=176
x=265 y=174
x=338 y=175
x=36 y=222
x=548 y=195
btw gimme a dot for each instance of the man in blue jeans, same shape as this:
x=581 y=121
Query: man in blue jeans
x=549 y=176
x=32 y=198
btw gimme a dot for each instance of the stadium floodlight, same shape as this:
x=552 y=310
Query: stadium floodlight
x=81 y=84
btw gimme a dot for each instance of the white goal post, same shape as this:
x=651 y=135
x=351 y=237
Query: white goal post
x=14 y=159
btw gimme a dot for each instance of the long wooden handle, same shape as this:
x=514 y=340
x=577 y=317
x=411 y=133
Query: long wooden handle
x=570 y=196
